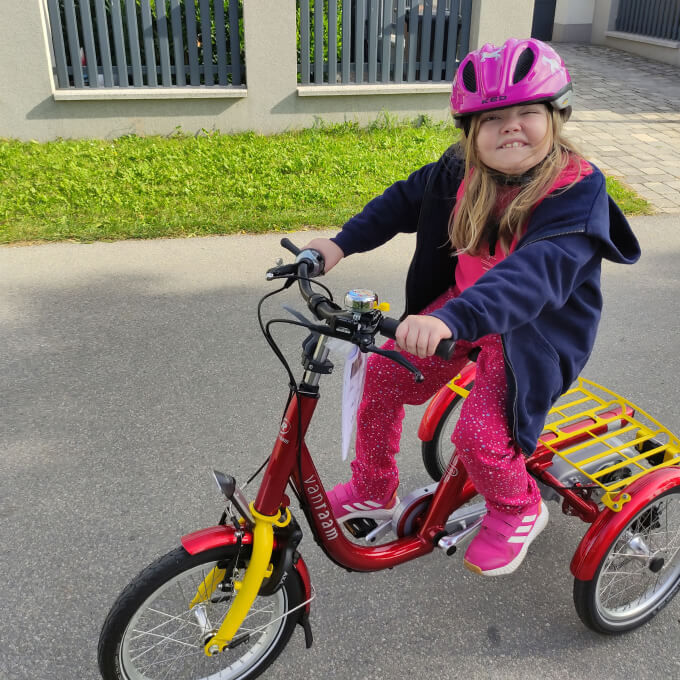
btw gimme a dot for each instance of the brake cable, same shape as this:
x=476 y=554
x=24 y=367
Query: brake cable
x=290 y=279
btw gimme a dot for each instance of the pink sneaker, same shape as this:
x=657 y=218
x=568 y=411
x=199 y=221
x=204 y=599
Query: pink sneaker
x=347 y=503
x=503 y=540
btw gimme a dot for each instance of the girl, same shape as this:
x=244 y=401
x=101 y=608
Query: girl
x=512 y=226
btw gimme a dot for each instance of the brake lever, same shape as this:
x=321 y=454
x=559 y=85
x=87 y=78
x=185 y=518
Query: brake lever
x=280 y=271
x=399 y=359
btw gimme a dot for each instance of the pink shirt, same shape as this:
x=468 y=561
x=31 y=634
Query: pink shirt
x=472 y=267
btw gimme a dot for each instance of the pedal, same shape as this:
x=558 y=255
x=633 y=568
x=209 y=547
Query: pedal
x=360 y=527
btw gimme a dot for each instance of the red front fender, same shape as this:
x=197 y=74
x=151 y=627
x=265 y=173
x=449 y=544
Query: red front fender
x=213 y=537
x=220 y=535
x=609 y=524
x=438 y=404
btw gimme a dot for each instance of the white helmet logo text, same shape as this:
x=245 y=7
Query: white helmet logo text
x=553 y=63
x=496 y=54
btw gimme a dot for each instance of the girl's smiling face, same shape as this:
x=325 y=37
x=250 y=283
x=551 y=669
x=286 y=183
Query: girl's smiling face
x=515 y=139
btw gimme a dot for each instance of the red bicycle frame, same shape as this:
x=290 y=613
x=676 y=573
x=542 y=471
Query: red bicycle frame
x=453 y=490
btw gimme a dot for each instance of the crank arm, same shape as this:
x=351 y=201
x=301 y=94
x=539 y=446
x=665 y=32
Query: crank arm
x=449 y=543
x=463 y=517
x=379 y=531
x=460 y=525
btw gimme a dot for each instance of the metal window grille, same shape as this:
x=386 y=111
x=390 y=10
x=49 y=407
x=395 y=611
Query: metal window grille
x=381 y=41
x=147 y=43
x=653 y=18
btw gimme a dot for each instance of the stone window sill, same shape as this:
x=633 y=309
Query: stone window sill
x=372 y=89
x=636 y=37
x=109 y=93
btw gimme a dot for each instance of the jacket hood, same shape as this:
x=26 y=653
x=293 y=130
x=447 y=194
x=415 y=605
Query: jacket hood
x=591 y=211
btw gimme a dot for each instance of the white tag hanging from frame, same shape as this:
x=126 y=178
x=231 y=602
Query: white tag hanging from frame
x=352 y=388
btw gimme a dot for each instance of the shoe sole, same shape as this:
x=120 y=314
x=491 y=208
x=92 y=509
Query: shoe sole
x=540 y=524
x=378 y=514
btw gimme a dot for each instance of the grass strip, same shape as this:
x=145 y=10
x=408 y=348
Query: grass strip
x=180 y=186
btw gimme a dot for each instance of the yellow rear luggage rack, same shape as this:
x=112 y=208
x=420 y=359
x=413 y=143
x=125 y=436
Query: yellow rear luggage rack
x=600 y=433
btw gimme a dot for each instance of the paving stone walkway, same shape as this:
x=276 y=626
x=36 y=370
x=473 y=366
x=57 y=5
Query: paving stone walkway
x=627 y=119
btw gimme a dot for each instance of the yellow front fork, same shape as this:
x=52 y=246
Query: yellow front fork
x=247 y=590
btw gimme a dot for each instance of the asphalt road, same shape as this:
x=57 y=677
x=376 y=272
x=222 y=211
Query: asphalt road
x=129 y=370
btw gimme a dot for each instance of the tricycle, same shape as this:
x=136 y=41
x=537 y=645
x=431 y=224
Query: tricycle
x=225 y=603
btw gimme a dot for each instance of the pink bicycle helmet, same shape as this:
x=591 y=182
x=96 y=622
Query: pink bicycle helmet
x=517 y=72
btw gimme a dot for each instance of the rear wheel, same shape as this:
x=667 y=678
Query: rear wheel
x=438 y=451
x=150 y=632
x=639 y=574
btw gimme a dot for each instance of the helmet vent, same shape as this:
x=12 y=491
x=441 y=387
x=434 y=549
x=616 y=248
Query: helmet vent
x=469 y=77
x=524 y=63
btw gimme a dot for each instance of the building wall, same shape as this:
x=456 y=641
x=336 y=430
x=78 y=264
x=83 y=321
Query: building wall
x=573 y=20
x=31 y=108
x=574 y=11
x=493 y=23
x=604 y=17
x=604 y=33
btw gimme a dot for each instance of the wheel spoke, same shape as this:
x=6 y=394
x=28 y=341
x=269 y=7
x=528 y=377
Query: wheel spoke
x=170 y=618
x=625 y=573
x=266 y=609
x=172 y=659
x=618 y=595
x=170 y=666
x=164 y=638
x=618 y=579
x=184 y=623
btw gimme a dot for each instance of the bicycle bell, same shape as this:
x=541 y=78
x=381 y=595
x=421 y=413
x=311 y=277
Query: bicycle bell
x=360 y=300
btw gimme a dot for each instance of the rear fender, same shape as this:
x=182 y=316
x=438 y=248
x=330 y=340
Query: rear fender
x=609 y=524
x=222 y=535
x=441 y=400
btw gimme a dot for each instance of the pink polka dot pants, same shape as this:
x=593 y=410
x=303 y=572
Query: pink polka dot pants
x=482 y=437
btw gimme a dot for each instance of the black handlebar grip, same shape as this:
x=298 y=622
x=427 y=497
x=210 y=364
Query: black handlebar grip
x=445 y=349
x=388 y=328
x=289 y=245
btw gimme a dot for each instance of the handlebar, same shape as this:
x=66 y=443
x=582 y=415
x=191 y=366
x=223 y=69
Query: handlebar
x=309 y=263
x=388 y=328
x=289 y=245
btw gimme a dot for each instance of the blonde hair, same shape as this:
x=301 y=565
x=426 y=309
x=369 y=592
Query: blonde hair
x=468 y=220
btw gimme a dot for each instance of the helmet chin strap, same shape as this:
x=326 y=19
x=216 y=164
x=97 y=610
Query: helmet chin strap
x=515 y=180
x=512 y=180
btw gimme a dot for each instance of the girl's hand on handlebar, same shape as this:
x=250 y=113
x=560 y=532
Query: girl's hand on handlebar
x=332 y=254
x=420 y=335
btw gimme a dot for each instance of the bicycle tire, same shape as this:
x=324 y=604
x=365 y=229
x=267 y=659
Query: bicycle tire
x=174 y=575
x=596 y=600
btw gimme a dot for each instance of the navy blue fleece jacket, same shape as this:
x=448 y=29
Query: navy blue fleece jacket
x=543 y=299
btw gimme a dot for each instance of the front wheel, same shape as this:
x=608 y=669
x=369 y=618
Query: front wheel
x=150 y=632
x=640 y=572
